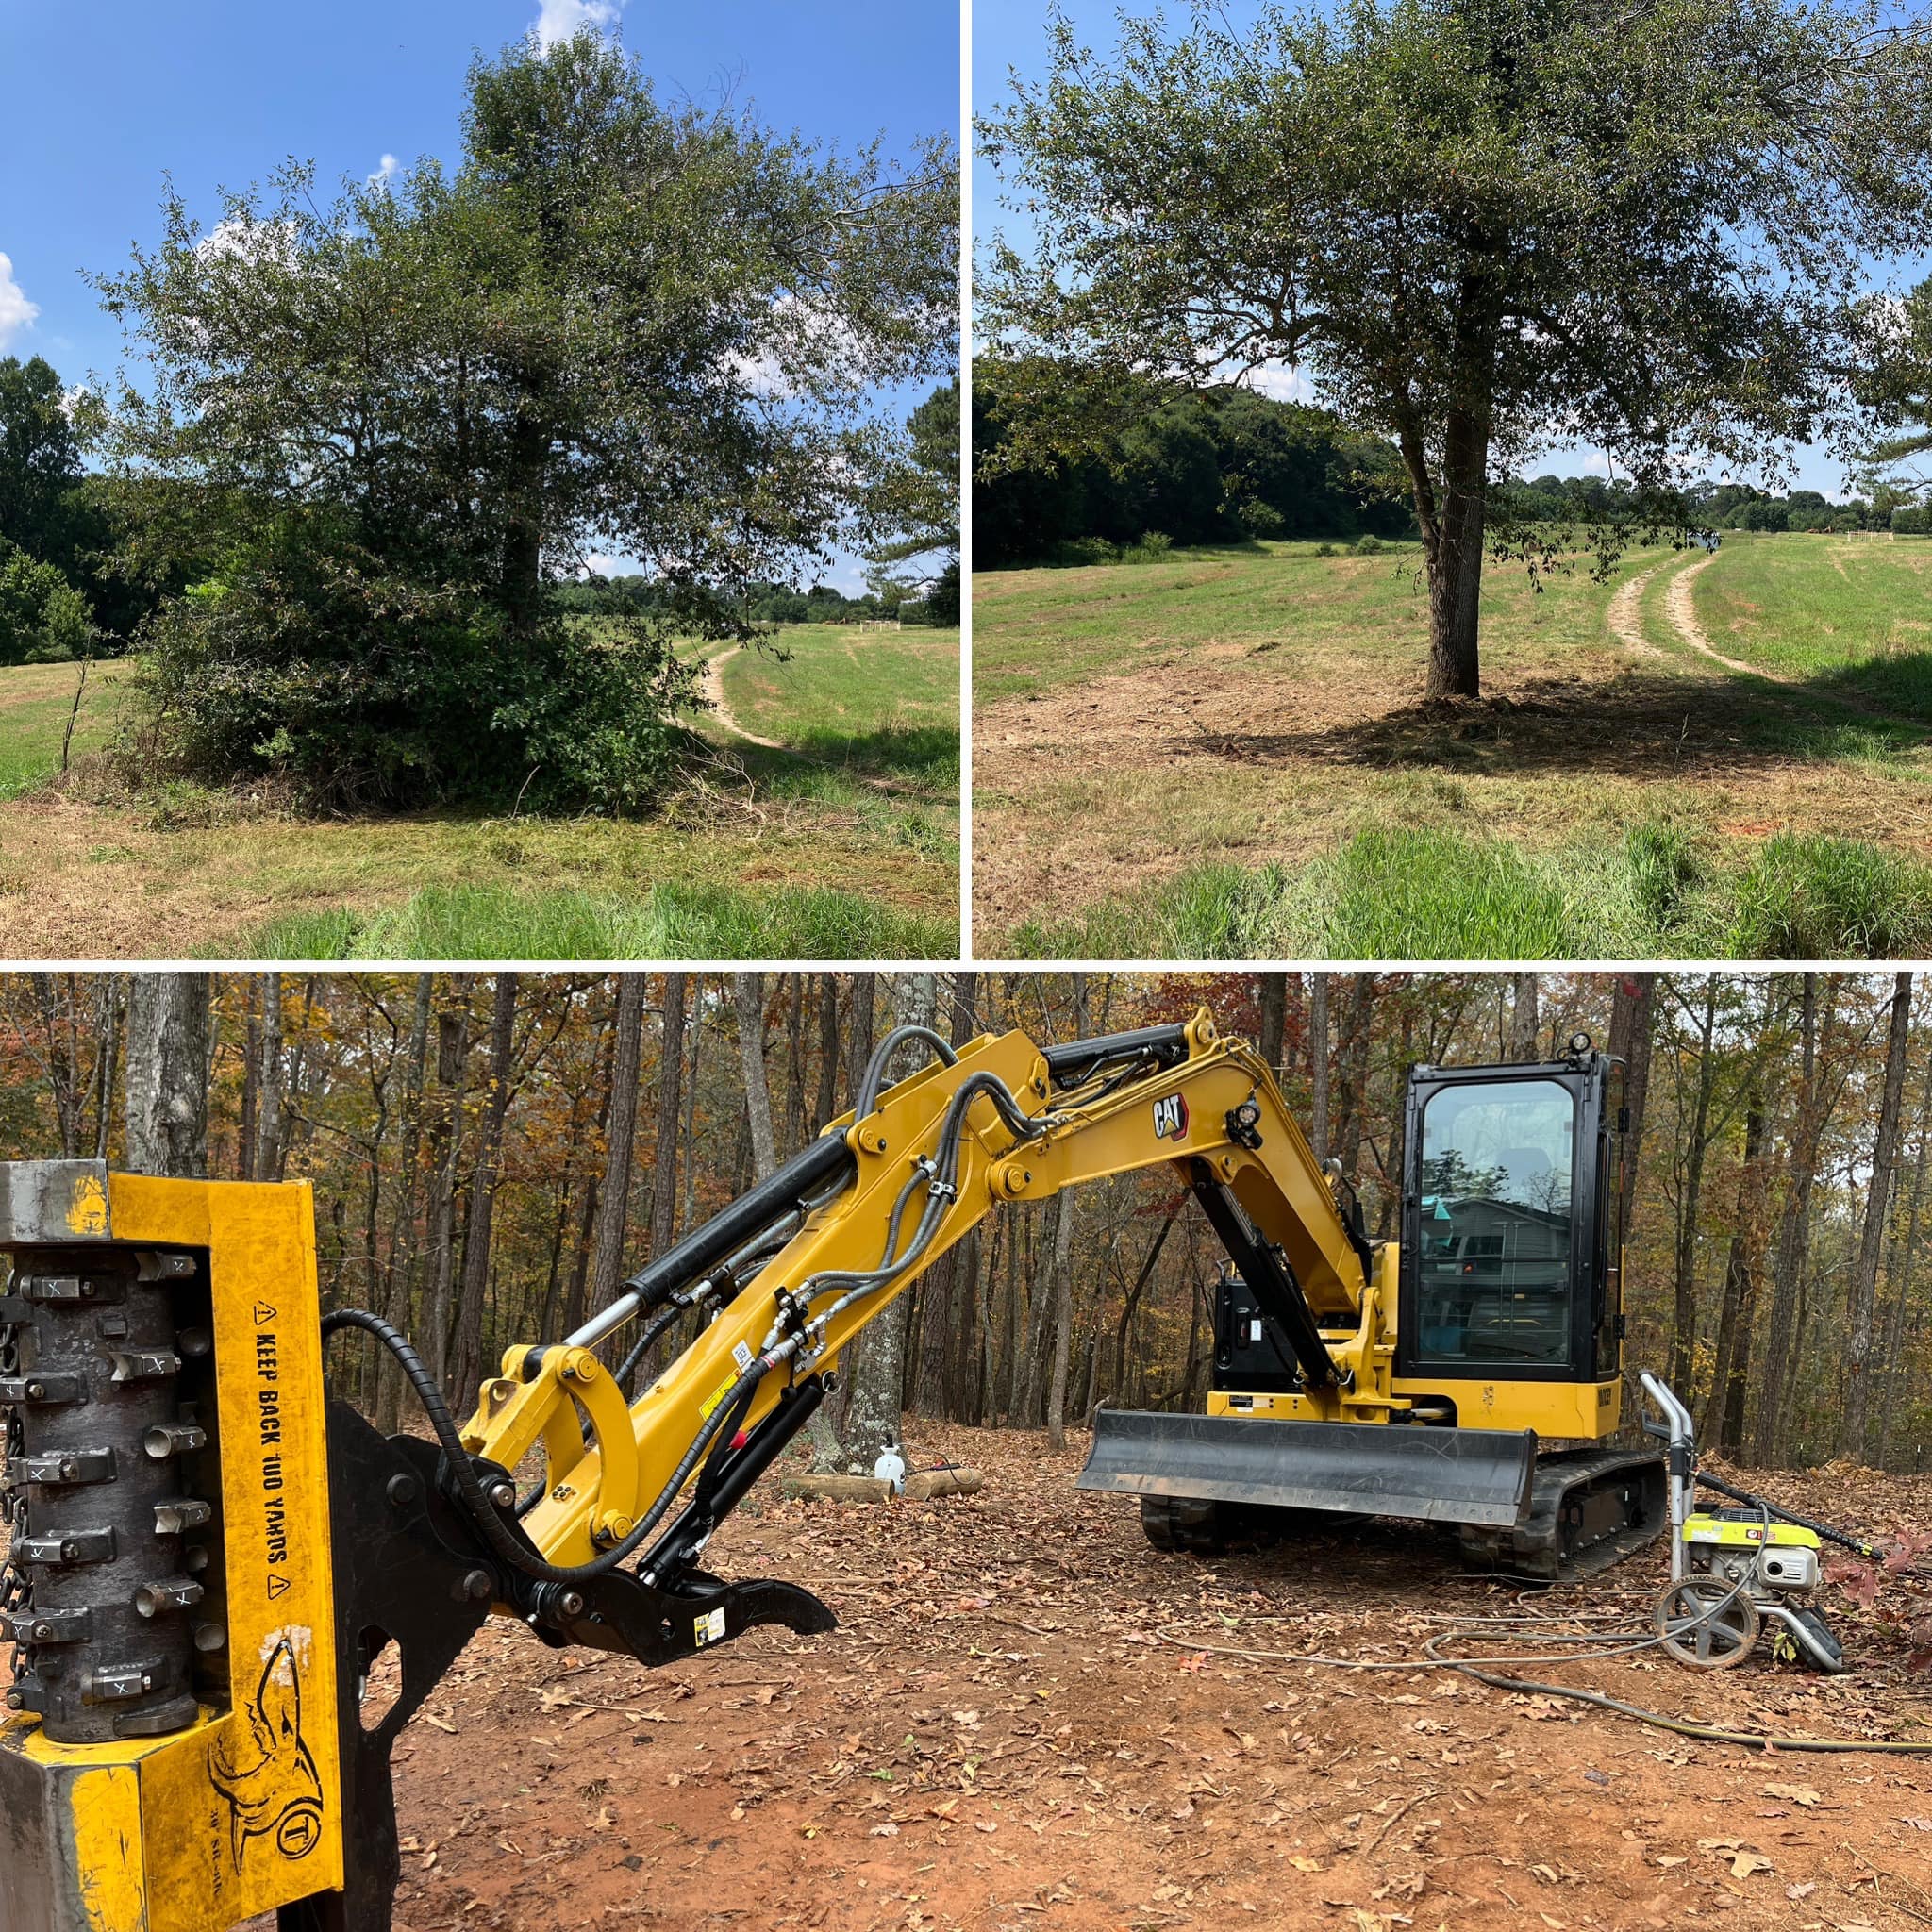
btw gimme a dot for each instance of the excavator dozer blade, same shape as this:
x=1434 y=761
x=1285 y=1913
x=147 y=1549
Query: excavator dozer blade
x=1363 y=1468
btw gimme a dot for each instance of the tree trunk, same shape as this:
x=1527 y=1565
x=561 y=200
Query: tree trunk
x=939 y=1292
x=1318 y=1065
x=796 y=1122
x=1523 y=1017
x=825 y=1109
x=1793 y=1240
x=399 y=1280
x=669 y=1099
x=750 y=990
x=446 y=1149
x=483 y=1177
x=1684 y=1311
x=613 y=1207
x=1451 y=521
x=1632 y=1006
x=1900 y=1270
x=1274 y=1018
x=1872 y=1243
x=1355 y=1072
x=271 y=1084
x=1723 y=1415
x=167 y=1075
x=1063 y=1275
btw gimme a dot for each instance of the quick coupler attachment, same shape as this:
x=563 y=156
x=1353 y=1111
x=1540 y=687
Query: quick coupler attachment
x=113 y=1584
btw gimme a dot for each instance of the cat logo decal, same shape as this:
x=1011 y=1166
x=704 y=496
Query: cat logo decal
x=266 y=1771
x=1170 y=1117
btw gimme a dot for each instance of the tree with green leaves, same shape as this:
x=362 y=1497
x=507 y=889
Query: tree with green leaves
x=39 y=460
x=43 y=618
x=918 y=501
x=1479 y=226
x=401 y=419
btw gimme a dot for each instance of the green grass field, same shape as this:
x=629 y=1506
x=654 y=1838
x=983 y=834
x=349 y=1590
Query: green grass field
x=1224 y=755
x=36 y=701
x=824 y=846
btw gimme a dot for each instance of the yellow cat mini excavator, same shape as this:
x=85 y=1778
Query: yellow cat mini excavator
x=208 y=1552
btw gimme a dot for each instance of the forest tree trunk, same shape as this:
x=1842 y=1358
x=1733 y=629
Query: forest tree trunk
x=167 y=1074
x=613 y=1201
x=749 y=989
x=670 y=1106
x=483 y=1177
x=1523 y=1017
x=1871 y=1243
x=942 y=1302
x=1684 y=1308
x=1791 y=1251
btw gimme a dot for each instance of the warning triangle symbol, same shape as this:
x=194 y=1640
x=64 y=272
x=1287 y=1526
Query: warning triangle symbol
x=263 y=1314
x=277 y=1586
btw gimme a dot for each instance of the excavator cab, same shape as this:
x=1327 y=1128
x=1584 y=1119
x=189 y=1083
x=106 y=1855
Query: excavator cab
x=1509 y=1251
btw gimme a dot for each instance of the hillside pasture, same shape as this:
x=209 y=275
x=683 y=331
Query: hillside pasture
x=1225 y=754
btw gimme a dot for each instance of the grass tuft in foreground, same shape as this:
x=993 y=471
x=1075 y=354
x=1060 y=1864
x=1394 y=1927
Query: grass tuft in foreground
x=1832 y=898
x=1420 y=894
x=672 y=921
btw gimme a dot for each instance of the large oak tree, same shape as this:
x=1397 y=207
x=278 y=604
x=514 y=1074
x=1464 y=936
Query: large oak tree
x=1479 y=226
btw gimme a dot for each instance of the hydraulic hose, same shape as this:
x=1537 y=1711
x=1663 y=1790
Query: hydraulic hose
x=938 y=1174
x=464 y=1476
x=874 y=1076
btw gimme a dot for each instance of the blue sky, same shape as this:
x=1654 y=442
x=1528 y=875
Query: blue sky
x=1010 y=35
x=100 y=104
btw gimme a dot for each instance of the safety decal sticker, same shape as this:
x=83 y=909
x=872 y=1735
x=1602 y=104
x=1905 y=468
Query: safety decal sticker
x=265 y=1771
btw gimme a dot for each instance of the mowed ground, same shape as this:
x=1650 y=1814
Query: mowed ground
x=1246 y=725
x=1022 y=1723
x=839 y=839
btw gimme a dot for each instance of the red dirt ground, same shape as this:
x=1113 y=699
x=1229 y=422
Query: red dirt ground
x=1000 y=1738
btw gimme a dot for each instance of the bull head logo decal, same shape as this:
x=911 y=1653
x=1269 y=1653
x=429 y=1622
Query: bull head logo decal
x=267 y=1775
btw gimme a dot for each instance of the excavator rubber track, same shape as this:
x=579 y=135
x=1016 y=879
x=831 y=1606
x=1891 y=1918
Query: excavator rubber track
x=1588 y=1509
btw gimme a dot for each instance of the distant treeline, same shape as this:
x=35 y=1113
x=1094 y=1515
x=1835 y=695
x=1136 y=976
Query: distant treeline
x=766 y=602
x=1224 y=465
x=1725 y=506
x=1212 y=466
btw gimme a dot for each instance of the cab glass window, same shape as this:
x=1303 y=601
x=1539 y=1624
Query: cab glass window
x=1493 y=1267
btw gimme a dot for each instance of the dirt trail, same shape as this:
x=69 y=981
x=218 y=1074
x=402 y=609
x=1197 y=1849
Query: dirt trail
x=714 y=690
x=999 y=1737
x=1625 y=615
x=713 y=684
x=1681 y=608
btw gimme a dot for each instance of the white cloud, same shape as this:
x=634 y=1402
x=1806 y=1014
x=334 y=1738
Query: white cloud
x=16 y=312
x=558 y=20
x=600 y=563
x=251 y=240
x=1280 y=382
x=385 y=172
